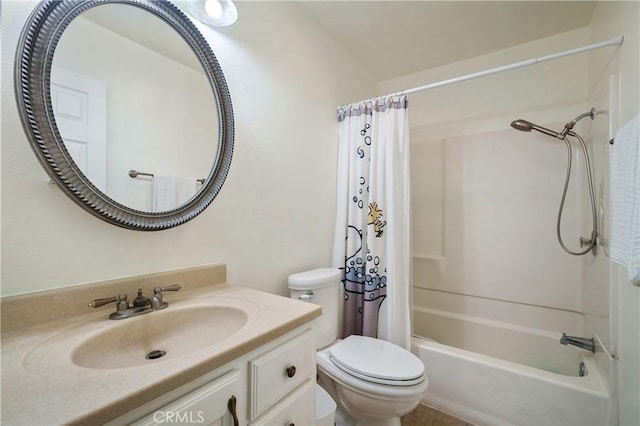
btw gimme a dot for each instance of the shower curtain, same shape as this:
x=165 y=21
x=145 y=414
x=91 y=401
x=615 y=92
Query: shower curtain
x=372 y=237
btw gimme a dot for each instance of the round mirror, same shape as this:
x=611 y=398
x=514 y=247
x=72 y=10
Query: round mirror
x=127 y=109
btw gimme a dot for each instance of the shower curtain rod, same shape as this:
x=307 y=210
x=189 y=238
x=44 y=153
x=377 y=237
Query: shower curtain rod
x=617 y=41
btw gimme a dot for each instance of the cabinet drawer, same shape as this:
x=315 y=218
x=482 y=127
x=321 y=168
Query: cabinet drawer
x=204 y=406
x=298 y=408
x=272 y=375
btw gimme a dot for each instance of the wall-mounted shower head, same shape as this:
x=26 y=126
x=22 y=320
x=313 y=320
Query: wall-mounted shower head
x=526 y=126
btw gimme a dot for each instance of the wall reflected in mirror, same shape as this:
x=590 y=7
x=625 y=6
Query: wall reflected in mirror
x=129 y=93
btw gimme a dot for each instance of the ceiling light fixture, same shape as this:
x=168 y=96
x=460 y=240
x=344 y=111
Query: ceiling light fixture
x=216 y=13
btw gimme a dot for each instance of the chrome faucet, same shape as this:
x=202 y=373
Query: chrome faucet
x=141 y=305
x=581 y=342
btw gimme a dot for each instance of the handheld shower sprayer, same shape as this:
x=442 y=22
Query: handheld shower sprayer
x=526 y=126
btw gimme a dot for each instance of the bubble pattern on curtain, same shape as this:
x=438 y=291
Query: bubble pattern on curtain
x=365 y=270
x=373 y=137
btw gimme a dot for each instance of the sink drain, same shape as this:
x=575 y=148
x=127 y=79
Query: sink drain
x=155 y=354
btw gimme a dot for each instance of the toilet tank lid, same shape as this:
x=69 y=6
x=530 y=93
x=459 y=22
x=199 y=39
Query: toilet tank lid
x=317 y=278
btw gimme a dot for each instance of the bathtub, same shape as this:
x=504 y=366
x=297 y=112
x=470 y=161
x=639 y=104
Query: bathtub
x=499 y=374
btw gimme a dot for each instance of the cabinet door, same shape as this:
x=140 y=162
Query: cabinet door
x=296 y=409
x=207 y=406
x=277 y=372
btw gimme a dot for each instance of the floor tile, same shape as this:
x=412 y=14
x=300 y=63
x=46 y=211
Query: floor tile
x=427 y=416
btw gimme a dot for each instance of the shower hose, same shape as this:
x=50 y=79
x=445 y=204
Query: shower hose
x=591 y=243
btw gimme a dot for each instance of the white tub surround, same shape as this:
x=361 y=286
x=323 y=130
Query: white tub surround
x=498 y=372
x=528 y=346
x=505 y=374
x=487 y=390
x=484 y=389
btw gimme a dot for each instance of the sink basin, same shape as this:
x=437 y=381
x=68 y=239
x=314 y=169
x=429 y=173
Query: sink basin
x=159 y=336
x=182 y=329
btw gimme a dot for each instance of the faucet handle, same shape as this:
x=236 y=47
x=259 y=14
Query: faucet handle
x=121 y=300
x=156 y=300
x=174 y=287
x=96 y=303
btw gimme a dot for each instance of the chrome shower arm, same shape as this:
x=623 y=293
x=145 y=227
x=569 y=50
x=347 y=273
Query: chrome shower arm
x=591 y=113
x=569 y=126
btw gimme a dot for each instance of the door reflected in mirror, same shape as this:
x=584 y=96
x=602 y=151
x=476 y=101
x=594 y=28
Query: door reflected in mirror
x=129 y=93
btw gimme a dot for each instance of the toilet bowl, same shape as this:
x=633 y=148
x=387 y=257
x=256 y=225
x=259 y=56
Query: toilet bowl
x=373 y=381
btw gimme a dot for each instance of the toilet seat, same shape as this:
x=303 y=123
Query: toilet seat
x=377 y=361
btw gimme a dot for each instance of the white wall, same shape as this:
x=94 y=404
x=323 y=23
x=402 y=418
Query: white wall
x=612 y=304
x=274 y=216
x=543 y=93
x=485 y=197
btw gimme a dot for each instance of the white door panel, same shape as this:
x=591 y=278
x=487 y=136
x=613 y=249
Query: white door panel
x=80 y=107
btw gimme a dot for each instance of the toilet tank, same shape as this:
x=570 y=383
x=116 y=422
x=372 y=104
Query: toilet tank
x=320 y=286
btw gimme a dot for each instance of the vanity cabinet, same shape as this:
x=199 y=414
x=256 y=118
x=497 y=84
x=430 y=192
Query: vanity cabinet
x=272 y=385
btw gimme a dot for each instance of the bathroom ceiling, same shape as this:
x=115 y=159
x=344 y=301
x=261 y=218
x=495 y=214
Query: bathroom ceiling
x=396 y=38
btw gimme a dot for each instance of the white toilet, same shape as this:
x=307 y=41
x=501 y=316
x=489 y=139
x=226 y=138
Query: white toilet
x=373 y=381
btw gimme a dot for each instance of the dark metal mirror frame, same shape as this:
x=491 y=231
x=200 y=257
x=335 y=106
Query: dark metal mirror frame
x=32 y=73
